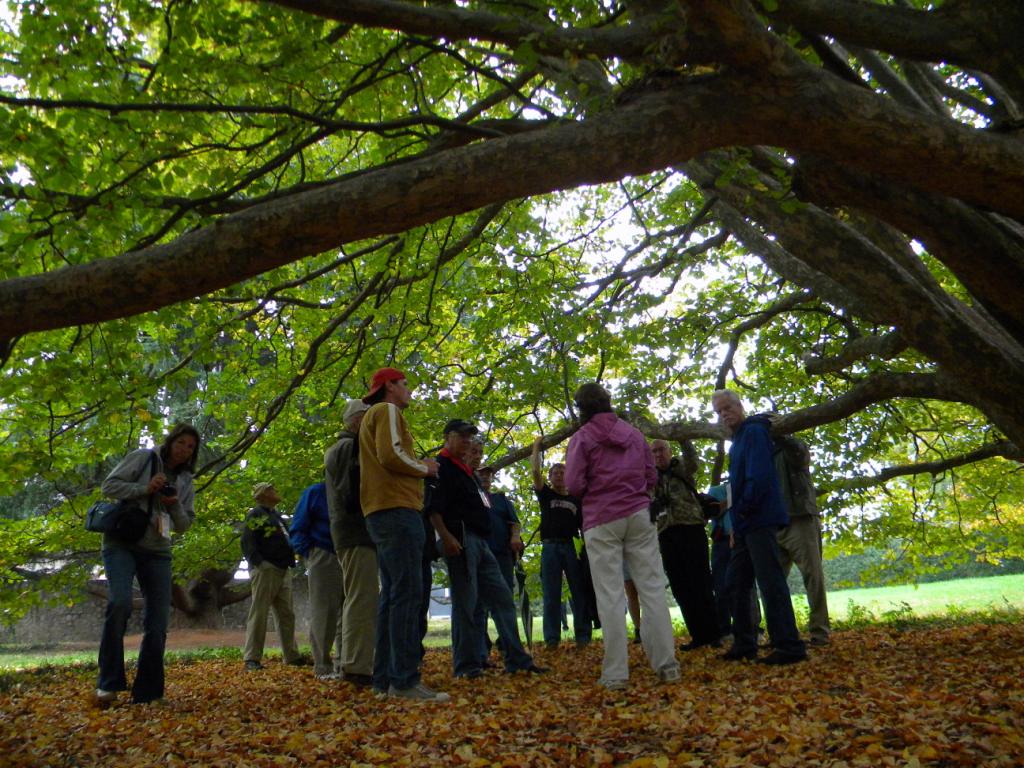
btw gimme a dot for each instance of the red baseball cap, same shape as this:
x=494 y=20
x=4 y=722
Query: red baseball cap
x=380 y=378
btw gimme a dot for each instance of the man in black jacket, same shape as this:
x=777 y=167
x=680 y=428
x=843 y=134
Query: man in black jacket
x=459 y=511
x=267 y=549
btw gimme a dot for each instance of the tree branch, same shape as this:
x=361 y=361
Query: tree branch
x=1002 y=448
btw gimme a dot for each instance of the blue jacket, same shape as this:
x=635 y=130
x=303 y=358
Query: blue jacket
x=756 y=499
x=311 y=523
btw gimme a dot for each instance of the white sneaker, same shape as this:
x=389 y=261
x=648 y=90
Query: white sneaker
x=105 y=696
x=328 y=676
x=418 y=692
x=670 y=675
x=614 y=685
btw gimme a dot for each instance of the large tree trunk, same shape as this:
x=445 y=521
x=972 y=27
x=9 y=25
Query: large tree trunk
x=199 y=603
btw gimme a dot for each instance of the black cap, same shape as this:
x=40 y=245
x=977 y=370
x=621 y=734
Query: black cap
x=461 y=426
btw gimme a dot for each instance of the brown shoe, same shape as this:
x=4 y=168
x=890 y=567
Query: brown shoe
x=360 y=681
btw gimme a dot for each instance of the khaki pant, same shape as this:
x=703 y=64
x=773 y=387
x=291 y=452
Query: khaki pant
x=271 y=589
x=325 y=618
x=361 y=588
x=800 y=544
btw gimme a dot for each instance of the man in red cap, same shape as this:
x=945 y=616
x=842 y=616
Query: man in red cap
x=391 y=496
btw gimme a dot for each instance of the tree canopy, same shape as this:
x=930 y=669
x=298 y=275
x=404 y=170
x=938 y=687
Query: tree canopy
x=232 y=213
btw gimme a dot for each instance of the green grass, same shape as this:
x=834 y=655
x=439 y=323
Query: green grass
x=991 y=599
x=981 y=599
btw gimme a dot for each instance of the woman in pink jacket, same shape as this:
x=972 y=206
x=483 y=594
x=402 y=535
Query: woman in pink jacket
x=609 y=467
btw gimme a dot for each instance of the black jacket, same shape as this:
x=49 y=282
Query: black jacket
x=460 y=501
x=265 y=537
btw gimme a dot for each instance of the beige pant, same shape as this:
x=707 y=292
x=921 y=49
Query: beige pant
x=800 y=544
x=271 y=589
x=325 y=618
x=361 y=586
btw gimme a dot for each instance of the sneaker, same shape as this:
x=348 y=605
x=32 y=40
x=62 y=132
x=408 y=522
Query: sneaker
x=418 y=692
x=105 y=696
x=777 y=658
x=670 y=675
x=252 y=666
x=328 y=676
x=614 y=685
x=301 y=661
x=819 y=642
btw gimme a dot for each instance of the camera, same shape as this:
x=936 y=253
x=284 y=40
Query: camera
x=169 y=490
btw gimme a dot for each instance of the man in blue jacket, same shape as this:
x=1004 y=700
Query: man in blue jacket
x=757 y=513
x=310 y=535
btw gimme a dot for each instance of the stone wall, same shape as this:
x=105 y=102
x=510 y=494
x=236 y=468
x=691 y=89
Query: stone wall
x=82 y=621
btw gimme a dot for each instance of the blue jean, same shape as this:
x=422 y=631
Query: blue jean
x=721 y=554
x=398 y=535
x=476 y=579
x=506 y=566
x=153 y=570
x=755 y=557
x=558 y=556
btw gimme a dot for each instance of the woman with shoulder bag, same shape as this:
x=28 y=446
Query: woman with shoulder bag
x=164 y=488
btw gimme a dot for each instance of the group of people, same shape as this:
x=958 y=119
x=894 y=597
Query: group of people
x=371 y=530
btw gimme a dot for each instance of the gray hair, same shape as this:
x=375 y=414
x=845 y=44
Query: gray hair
x=726 y=394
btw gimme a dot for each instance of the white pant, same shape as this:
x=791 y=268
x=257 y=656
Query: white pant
x=635 y=540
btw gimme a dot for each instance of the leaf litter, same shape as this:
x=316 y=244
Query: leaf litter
x=875 y=697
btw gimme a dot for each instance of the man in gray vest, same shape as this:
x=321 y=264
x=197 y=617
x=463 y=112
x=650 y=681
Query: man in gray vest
x=356 y=551
x=800 y=541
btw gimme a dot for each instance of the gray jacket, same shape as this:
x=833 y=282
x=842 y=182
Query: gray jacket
x=130 y=480
x=792 y=460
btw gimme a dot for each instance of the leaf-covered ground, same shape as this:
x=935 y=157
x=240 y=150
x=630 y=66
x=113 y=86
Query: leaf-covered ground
x=876 y=697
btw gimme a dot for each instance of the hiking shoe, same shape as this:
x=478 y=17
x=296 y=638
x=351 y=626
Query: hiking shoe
x=358 y=680
x=252 y=666
x=418 y=692
x=776 y=658
x=105 y=696
x=533 y=669
x=733 y=655
x=693 y=645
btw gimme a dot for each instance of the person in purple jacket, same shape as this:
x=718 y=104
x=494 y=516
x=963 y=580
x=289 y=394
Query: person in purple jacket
x=610 y=468
x=757 y=512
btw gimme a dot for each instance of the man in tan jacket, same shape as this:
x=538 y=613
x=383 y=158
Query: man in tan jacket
x=391 y=496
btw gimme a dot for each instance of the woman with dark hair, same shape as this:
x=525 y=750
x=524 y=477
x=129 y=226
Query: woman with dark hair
x=161 y=481
x=610 y=468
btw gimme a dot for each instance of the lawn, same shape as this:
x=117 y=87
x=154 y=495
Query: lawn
x=940 y=598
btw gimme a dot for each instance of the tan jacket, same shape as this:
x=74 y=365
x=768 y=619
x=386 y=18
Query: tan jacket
x=390 y=475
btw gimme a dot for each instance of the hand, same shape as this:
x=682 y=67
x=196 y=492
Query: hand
x=538 y=442
x=432 y=467
x=156 y=482
x=451 y=545
x=167 y=501
x=516 y=545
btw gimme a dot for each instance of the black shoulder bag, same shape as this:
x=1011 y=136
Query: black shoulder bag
x=123 y=519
